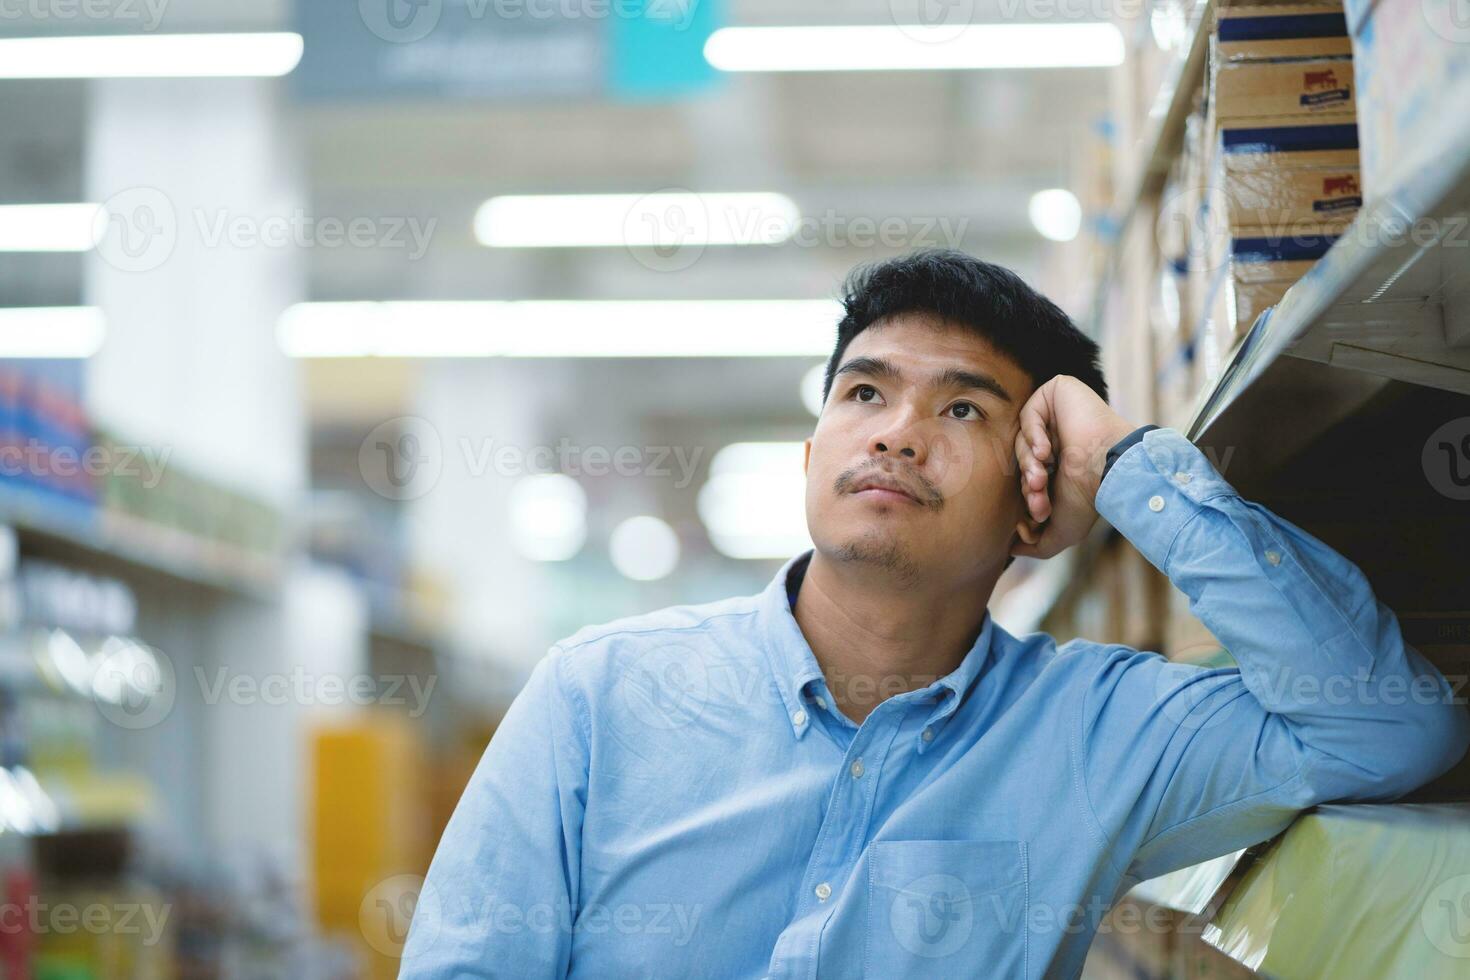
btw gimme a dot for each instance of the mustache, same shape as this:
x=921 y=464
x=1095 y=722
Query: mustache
x=928 y=495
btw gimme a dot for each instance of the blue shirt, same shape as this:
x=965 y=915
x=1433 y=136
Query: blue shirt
x=675 y=795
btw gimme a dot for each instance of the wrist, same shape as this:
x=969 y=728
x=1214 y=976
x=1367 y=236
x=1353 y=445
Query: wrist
x=1116 y=439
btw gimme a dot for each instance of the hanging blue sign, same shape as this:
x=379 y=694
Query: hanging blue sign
x=503 y=49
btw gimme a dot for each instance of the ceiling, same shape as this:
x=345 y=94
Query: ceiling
x=962 y=148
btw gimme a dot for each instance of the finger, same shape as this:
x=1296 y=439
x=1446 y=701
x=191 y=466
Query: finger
x=1039 y=502
x=1033 y=481
x=1029 y=467
x=1028 y=535
x=1035 y=421
x=1043 y=547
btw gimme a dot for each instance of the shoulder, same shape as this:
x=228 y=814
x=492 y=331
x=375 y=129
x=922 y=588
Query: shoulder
x=1080 y=664
x=630 y=631
x=681 y=641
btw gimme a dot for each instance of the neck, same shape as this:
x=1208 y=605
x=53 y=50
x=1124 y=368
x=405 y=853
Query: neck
x=874 y=639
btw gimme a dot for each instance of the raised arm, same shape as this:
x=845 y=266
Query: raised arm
x=1327 y=702
x=1181 y=763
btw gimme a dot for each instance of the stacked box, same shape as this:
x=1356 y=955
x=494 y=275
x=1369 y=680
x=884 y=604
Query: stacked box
x=1284 y=179
x=1170 y=310
x=1310 y=86
x=1277 y=32
x=1409 y=56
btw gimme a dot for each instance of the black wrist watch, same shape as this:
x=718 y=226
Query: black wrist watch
x=1123 y=445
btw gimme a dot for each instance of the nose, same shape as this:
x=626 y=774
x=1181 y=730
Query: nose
x=901 y=437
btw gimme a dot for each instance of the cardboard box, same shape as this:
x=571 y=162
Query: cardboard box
x=1268 y=197
x=1289 y=142
x=1410 y=58
x=1276 y=253
x=1249 y=89
x=1251 y=299
x=1216 y=330
x=1280 y=31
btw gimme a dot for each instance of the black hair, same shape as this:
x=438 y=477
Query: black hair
x=990 y=300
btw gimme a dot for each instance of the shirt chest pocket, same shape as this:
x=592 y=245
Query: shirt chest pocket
x=952 y=908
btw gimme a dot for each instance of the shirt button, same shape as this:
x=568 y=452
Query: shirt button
x=1274 y=557
x=798 y=717
x=1182 y=477
x=820 y=703
x=824 y=892
x=928 y=735
x=856 y=768
x=1156 y=503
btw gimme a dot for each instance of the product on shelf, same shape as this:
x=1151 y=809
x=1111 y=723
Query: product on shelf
x=1277 y=143
x=45 y=438
x=1408 y=55
x=369 y=830
x=1283 y=180
x=1170 y=309
x=1312 y=86
x=1291 y=199
x=1257 y=33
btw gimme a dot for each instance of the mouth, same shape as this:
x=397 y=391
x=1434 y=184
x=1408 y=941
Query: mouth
x=881 y=488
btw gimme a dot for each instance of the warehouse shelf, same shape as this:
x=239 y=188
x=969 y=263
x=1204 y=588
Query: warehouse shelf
x=1161 y=141
x=1024 y=608
x=125 y=543
x=1389 y=301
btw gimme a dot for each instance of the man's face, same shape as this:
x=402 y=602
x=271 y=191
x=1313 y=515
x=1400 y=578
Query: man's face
x=934 y=409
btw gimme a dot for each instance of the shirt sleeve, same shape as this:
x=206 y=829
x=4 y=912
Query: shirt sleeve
x=502 y=891
x=1181 y=763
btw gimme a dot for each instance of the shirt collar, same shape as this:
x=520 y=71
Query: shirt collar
x=793 y=665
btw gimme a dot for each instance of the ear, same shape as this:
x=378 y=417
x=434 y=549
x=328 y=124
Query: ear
x=806 y=458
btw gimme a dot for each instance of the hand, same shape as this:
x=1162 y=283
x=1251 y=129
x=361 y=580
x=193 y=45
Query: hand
x=1065 y=434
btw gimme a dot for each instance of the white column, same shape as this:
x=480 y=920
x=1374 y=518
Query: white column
x=190 y=364
x=190 y=359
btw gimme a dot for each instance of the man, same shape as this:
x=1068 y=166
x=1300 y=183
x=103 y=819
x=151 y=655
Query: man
x=856 y=772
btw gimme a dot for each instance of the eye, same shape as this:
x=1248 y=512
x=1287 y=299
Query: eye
x=967 y=410
x=859 y=391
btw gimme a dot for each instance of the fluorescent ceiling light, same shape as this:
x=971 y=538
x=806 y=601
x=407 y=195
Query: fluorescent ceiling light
x=51 y=331
x=150 y=56
x=562 y=328
x=914 y=47
x=681 y=218
x=48 y=227
x=1056 y=213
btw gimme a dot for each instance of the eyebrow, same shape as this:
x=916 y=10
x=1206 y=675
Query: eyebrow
x=951 y=377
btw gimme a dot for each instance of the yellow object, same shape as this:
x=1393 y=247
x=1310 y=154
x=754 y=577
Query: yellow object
x=370 y=840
